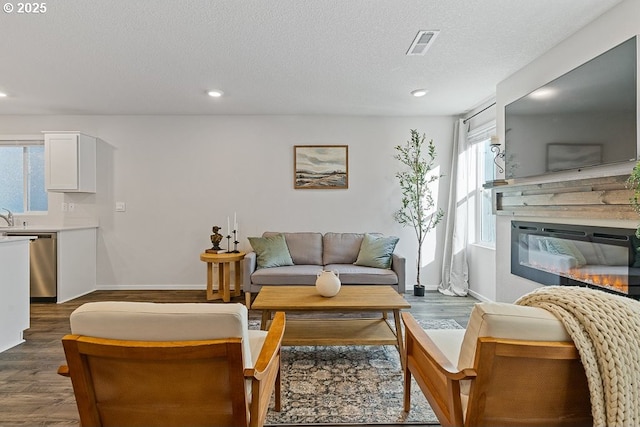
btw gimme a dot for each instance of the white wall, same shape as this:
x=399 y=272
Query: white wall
x=180 y=175
x=609 y=30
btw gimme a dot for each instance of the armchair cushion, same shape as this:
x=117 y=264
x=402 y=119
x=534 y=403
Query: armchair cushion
x=504 y=320
x=256 y=341
x=448 y=341
x=145 y=321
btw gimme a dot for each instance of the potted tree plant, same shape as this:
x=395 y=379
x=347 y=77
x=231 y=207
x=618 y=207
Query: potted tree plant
x=417 y=208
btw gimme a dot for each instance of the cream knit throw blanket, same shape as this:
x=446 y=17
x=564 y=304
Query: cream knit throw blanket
x=606 y=331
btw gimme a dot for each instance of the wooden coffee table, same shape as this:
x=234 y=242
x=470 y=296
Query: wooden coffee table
x=335 y=331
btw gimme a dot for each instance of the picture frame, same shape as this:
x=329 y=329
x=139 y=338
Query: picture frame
x=323 y=167
x=564 y=156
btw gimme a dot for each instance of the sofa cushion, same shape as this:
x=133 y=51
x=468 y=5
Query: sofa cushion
x=341 y=248
x=351 y=274
x=271 y=251
x=292 y=275
x=376 y=251
x=305 y=247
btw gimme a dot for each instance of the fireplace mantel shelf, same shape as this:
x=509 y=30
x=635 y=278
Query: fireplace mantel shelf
x=606 y=198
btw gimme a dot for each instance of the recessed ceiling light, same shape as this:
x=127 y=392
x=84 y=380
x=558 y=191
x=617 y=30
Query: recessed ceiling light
x=419 y=92
x=215 y=93
x=3 y=95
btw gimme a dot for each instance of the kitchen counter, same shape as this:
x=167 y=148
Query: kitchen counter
x=76 y=255
x=10 y=239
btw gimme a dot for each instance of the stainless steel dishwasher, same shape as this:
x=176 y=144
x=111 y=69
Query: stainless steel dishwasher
x=43 y=265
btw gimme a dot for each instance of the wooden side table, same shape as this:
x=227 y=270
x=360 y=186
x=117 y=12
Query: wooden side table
x=224 y=262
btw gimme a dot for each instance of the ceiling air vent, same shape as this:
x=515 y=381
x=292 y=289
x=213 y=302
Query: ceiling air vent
x=422 y=42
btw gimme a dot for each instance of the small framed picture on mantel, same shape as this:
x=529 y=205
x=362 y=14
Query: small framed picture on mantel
x=321 y=167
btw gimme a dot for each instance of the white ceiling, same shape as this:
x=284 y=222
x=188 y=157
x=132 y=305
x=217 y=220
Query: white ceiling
x=344 y=57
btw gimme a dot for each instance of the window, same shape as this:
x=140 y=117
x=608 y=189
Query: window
x=479 y=141
x=487 y=173
x=22 y=176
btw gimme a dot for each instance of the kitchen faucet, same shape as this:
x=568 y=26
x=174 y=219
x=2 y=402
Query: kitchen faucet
x=8 y=217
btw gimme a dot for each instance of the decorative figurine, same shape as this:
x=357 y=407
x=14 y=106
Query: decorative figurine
x=216 y=238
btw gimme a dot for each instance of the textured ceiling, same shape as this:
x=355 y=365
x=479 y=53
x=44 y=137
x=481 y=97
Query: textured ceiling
x=344 y=57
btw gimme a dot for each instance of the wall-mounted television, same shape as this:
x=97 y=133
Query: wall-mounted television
x=584 y=118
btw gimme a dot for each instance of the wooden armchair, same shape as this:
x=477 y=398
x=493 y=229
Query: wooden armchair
x=145 y=364
x=513 y=366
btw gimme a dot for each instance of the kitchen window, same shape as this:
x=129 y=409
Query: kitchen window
x=22 y=188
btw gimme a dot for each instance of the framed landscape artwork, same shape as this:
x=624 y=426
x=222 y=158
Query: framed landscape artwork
x=321 y=166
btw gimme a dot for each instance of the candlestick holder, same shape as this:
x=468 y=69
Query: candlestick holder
x=235 y=242
x=228 y=244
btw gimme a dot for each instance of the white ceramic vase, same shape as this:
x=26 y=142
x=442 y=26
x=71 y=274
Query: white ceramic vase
x=328 y=283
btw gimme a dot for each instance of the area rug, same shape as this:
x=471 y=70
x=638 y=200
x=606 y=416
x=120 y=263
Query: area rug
x=349 y=384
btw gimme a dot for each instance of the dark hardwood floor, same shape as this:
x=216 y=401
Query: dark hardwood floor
x=31 y=393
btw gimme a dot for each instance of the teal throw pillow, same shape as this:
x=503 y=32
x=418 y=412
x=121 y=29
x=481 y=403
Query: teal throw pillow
x=271 y=251
x=376 y=251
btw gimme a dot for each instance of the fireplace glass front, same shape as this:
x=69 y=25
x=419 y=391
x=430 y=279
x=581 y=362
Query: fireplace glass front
x=561 y=254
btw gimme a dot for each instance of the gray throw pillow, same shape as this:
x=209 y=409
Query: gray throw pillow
x=376 y=251
x=271 y=251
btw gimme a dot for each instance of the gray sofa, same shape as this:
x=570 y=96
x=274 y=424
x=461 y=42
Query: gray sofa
x=313 y=252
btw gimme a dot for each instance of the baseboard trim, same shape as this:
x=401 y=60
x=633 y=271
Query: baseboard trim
x=60 y=300
x=479 y=296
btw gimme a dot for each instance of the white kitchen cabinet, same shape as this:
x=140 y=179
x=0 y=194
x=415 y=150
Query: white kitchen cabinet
x=70 y=164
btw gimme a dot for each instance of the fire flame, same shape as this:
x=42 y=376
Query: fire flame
x=612 y=281
x=616 y=282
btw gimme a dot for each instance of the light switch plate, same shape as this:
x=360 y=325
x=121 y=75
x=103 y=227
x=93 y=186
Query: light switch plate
x=121 y=206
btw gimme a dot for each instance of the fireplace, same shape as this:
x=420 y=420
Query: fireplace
x=560 y=254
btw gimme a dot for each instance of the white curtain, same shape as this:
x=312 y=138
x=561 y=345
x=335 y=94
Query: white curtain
x=455 y=269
